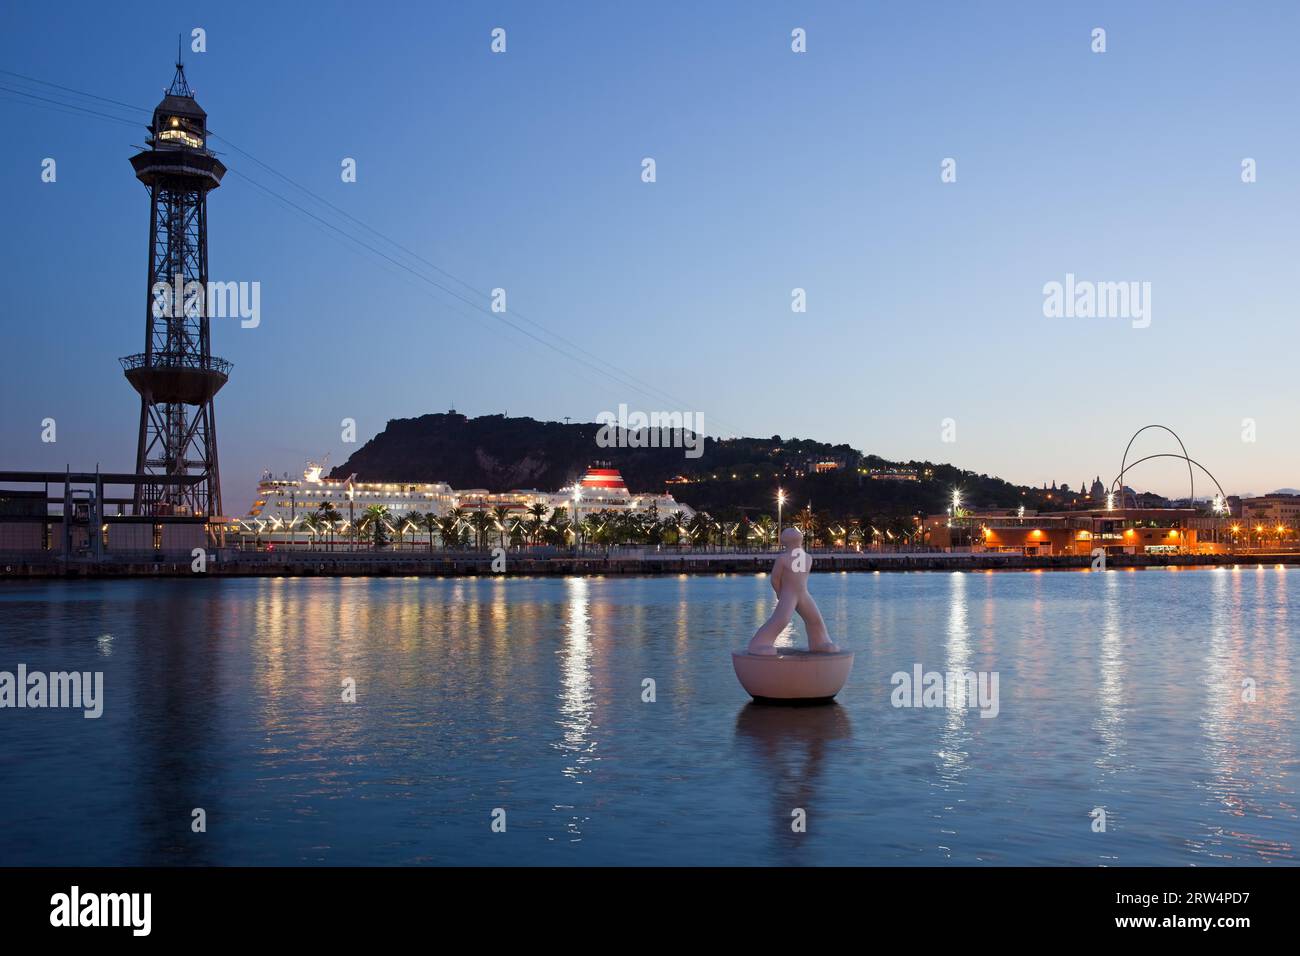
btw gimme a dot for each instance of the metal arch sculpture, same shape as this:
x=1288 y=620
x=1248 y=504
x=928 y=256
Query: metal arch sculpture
x=1169 y=454
x=1191 y=480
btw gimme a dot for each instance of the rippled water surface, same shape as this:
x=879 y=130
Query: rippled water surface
x=1122 y=691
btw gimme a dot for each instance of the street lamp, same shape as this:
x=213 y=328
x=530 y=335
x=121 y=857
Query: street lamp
x=780 y=503
x=577 y=518
x=352 y=514
x=956 y=511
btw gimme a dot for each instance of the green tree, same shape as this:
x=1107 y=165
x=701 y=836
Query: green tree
x=310 y=524
x=330 y=516
x=429 y=522
x=450 y=527
x=536 y=517
x=501 y=515
x=556 y=531
x=375 y=521
x=481 y=522
x=679 y=525
x=399 y=525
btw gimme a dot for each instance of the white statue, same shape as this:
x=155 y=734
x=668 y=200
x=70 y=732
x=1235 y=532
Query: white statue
x=790 y=582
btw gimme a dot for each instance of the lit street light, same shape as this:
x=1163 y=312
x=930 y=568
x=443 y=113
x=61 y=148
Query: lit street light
x=780 y=503
x=577 y=517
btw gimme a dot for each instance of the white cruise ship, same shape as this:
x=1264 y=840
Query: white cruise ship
x=282 y=504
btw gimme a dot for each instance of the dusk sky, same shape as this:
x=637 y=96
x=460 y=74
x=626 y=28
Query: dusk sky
x=775 y=170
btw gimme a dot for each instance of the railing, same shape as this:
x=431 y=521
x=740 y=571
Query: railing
x=176 y=360
x=343 y=550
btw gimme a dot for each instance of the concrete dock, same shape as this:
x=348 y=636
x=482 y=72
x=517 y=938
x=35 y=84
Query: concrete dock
x=235 y=563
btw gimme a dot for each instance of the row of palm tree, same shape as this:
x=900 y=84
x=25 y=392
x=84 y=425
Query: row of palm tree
x=482 y=529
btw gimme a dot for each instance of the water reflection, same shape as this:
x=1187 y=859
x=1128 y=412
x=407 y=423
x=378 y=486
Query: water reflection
x=477 y=694
x=1109 y=722
x=957 y=660
x=1244 y=717
x=791 y=745
x=576 y=696
x=176 y=718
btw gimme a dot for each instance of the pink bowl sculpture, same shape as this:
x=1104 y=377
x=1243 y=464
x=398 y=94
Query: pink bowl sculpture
x=792 y=677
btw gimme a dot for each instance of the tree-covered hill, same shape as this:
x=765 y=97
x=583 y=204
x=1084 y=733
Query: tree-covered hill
x=730 y=478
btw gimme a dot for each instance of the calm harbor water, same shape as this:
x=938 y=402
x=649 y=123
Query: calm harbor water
x=1121 y=690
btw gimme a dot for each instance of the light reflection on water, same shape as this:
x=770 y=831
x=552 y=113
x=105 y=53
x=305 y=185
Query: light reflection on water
x=1122 y=690
x=576 y=699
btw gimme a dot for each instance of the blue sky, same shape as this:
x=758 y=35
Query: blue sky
x=775 y=170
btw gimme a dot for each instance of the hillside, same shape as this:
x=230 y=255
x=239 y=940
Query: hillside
x=731 y=477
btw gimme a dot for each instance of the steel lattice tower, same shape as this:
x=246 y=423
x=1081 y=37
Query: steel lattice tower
x=176 y=374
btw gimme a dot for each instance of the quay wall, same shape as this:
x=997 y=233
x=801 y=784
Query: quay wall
x=465 y=564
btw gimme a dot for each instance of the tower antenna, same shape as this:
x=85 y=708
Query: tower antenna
x=179 y=85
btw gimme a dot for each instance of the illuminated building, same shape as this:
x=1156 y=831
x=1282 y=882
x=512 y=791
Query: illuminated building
x=282 y=504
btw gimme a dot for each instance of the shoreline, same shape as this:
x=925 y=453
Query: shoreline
x=237 y=564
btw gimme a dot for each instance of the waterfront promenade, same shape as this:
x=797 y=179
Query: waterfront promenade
x=533 y=562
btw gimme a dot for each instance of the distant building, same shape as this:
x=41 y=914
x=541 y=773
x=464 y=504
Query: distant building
x=894 y=474
x=1272 y=510
x=1118 y=531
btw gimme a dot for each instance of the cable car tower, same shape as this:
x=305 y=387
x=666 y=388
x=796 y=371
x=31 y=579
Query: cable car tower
x=177 y=375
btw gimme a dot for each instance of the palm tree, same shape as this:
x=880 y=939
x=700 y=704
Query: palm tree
x=518 y=532
x=405 y=524
x=855 y=534
x=449 y=527
x=637 y=528
x=557 y=527
x=677 y=523
x=374 y=518
x=501 y=514
x=807 y=523
x=654 y=528
x=309 y=525
x=902 y=526
x=536 y=516
x=429 y=522
x=593 y=528
x=329 y=515
x=481 y=522
x=700 y=526
x=743 y=532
